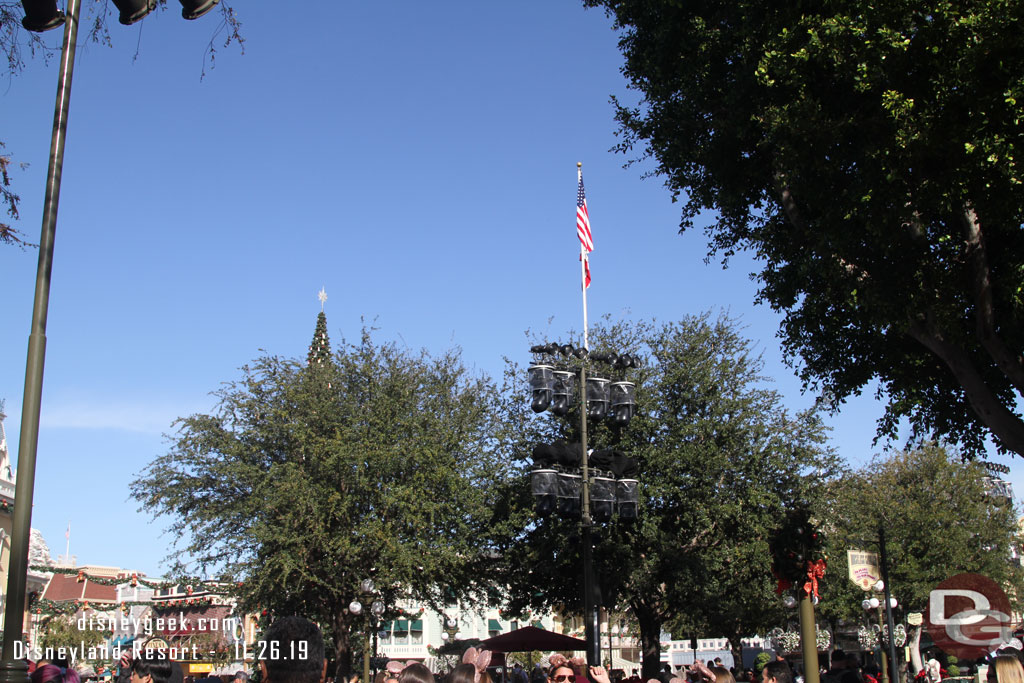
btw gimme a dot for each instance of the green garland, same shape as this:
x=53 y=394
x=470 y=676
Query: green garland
x=45 y=606
x=134 y=579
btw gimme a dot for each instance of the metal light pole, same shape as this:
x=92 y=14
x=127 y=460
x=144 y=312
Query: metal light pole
x=869 y=604
x=556 y=394
x=366 y=589
x=591 y=618
x=14 y=670
x=883 y=558
x=809 y=638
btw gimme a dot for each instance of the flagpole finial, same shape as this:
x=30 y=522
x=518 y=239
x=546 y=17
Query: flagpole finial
x=579 y=164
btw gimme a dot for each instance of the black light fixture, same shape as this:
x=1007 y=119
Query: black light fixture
x=627 y=495
x=563 y=393
x=193 y=9
x=544 y=487
x=544 y=479
x=542 y=386
x=132 y=11
x=627 y=487
x=597 y=397
x=41 y=15
x=602 y=496
x=623 y=402
x=569 y=487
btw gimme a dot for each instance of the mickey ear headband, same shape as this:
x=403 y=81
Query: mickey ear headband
x=396 y=667
x=479 y=659
x=576 y=663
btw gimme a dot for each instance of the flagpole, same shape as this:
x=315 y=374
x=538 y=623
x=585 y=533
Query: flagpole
x=583 y=266
x=591 y=618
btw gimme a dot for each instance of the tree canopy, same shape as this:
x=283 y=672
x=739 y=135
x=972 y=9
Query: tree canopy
x=719 y=462
x=939 y=522
x=373 y=462
x=866 y=153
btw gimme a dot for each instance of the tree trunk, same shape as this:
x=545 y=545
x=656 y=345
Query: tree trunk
x=736 y=646
x=650 y=641
x=915 y=649
x=342 y=649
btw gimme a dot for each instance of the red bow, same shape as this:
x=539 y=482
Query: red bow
x=783 y=585
x=815 y=571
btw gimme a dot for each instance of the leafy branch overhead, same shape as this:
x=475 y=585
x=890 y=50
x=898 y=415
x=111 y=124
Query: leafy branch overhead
x=18 y=44
x=866 y=153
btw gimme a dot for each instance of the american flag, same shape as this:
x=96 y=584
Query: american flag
x=583 y=220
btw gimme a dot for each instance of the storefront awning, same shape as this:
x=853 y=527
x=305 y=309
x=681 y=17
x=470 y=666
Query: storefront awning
x=493 y=625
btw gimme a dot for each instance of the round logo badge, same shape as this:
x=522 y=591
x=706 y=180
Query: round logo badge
x=968 y=616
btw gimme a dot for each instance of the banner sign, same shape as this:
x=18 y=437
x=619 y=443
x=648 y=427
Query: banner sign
x=864 y=570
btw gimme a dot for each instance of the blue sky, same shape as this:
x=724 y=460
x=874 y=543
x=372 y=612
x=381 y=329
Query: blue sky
x=418 y=160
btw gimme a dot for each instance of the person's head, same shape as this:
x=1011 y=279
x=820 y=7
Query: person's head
x=1006 y=669
x=45 y=673
x=722 y=675
x=416 y=673
x=151 y=666
x=241 y=677
x=776 y=672
x=463 y=673
x=293 y=652
x=562 y=674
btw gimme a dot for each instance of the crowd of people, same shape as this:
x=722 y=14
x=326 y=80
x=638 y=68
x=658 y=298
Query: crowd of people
x=296 y=654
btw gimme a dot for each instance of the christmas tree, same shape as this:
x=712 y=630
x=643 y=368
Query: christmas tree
x=320 y=349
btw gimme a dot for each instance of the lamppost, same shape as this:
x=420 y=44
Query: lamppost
x=43 y=15
x=798 y=562
x=450 y=629
x=367 y=590
x=564 y=478
x=450 y=633
x=871 y=603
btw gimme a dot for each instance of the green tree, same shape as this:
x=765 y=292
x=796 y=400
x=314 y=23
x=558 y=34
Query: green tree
x=720 y=461
x=867 y=154
x=938 y=520
x=62 y=631
x=378 y=463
